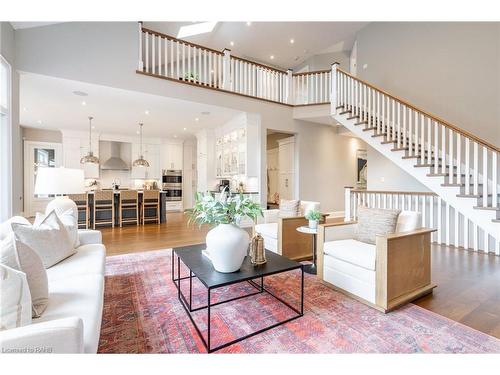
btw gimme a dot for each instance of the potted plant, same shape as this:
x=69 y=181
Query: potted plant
x=227 y=243
x=313 y=216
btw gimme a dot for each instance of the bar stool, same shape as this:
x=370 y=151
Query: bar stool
x=151 y=201
x=82 y=203
x=104 y=206
x=128 y=209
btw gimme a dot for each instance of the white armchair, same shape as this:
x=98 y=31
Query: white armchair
x=394 y=271
x=280 y=234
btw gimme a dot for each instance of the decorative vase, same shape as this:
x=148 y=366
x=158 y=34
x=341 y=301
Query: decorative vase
x=313 y=224
x=227 y=245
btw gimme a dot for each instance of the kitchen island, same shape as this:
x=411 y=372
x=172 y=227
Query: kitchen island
x=86 y=208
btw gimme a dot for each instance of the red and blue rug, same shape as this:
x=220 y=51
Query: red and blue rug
x=143 y=315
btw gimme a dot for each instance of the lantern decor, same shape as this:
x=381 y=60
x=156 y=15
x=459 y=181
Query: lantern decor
x=257 y=251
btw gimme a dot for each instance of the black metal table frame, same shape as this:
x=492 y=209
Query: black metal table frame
x=188 y=305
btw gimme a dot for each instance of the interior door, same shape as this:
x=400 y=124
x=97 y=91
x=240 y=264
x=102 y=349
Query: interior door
x=37 y=155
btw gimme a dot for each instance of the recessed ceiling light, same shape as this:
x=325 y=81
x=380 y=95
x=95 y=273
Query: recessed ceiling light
x=175 y=136
x=292 y=41
x=137 y=132
x=271 y=57
x=39 y=121
x=231 y=43
x=196 y=119
x=248 y=23
x=185 y=129
x=196 y=29
x=146 y=112
x=84 y=103
x=80 y=93
x=25 y=109
x=93 y=126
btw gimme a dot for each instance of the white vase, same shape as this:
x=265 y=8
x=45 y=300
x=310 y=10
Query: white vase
x=313 y=224
x=228 y=246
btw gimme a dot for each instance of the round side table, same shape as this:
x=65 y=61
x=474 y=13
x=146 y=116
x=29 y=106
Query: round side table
x=310 y=268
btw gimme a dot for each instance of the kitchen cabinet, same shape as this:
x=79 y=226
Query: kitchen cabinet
x=286 y=160
x=74 y=148
x=172 y=155
x=231 y=153
x=152 y=155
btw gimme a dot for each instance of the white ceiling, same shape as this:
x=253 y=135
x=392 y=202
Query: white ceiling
x=51 y=100
x=259 y=40
x=29 y=25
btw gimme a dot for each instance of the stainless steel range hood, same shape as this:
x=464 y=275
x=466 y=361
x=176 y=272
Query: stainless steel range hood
x=115 y=162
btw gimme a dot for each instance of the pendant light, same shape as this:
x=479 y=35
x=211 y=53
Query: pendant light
x=141 y=162
x=90 y=158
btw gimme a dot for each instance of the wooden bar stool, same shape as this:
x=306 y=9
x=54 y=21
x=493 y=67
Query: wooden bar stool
x=128 y=209
x=151 y=201
x=82 y=203
x=104 y=208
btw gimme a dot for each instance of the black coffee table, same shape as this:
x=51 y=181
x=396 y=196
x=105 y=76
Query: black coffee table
x=201 y=267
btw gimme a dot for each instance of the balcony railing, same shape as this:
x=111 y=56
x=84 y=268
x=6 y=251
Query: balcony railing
x=164 y=56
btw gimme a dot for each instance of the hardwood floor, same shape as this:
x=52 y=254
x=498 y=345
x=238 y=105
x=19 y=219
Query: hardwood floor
x=468 y=283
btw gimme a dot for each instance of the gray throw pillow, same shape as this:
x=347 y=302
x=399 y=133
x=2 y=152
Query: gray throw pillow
x=373 y=221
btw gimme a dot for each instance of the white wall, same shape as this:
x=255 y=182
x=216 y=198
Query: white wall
x=7 y=50
x=327 y=163
x=451 y=69
x=383 y=174
x=325 y=61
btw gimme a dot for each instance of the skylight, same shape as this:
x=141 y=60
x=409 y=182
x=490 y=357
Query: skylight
x=196 y=29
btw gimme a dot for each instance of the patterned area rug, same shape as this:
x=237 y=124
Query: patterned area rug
x=143 y=315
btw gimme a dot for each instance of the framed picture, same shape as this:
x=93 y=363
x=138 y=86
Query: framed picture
x=361 y=165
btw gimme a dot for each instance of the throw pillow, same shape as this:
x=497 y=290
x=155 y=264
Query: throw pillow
x=373 y=221
x=15 y=309
x=6 y=226
x=31 y=264
x=68 y=219
x=49 y=239
x=289 y=208
x=8 y=253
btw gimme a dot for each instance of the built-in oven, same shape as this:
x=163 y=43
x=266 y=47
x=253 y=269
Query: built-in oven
x=172 y=184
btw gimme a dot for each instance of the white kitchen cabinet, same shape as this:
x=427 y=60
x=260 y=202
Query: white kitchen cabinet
x=171 y=155
x=74 y=148
x=286 y=159
x=152 y=155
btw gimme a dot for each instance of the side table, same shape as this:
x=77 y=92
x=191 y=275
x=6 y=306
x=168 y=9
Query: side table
x=310 y=268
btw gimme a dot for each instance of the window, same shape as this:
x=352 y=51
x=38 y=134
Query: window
x=5 y=140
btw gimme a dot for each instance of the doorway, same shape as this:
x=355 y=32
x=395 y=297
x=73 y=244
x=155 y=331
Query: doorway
x=281 y=167
x=36 y=155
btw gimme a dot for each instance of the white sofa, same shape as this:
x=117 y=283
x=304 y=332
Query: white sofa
x=388 y=274
x=72 y=321
x=280 y=234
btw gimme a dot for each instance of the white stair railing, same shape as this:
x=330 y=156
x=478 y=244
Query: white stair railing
x=453 y=228
x=312 y=87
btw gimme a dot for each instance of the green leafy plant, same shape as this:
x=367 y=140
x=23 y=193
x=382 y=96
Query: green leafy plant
x=228 y=209
x=313 y=215
x=190 y=76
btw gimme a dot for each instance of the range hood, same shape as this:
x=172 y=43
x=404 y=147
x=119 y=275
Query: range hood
x=115 y=162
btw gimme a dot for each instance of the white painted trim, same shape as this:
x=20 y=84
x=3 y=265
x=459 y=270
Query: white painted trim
x=6 y=157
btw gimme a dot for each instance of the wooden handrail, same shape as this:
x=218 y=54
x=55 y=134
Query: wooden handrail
x=428 y=193
x=259 y=64
x=313 y=72
x=425 y=113
x=170 y=37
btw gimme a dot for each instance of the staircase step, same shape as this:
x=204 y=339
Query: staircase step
x=400 y=149
x=368 y=129
x=378 y=134
x=352 y=117
x=361 y=123
x=344 y=112
x=459 y=184
x=340 y=107
x=387 y=142
x=490 y=208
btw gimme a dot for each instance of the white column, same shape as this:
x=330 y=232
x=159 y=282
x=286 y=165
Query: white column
x=347 y=203
x=226 y=70
x=140 y=65
x=289 y=87
x=333 y=89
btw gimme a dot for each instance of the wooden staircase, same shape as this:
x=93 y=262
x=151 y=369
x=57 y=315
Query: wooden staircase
x=462 y=169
